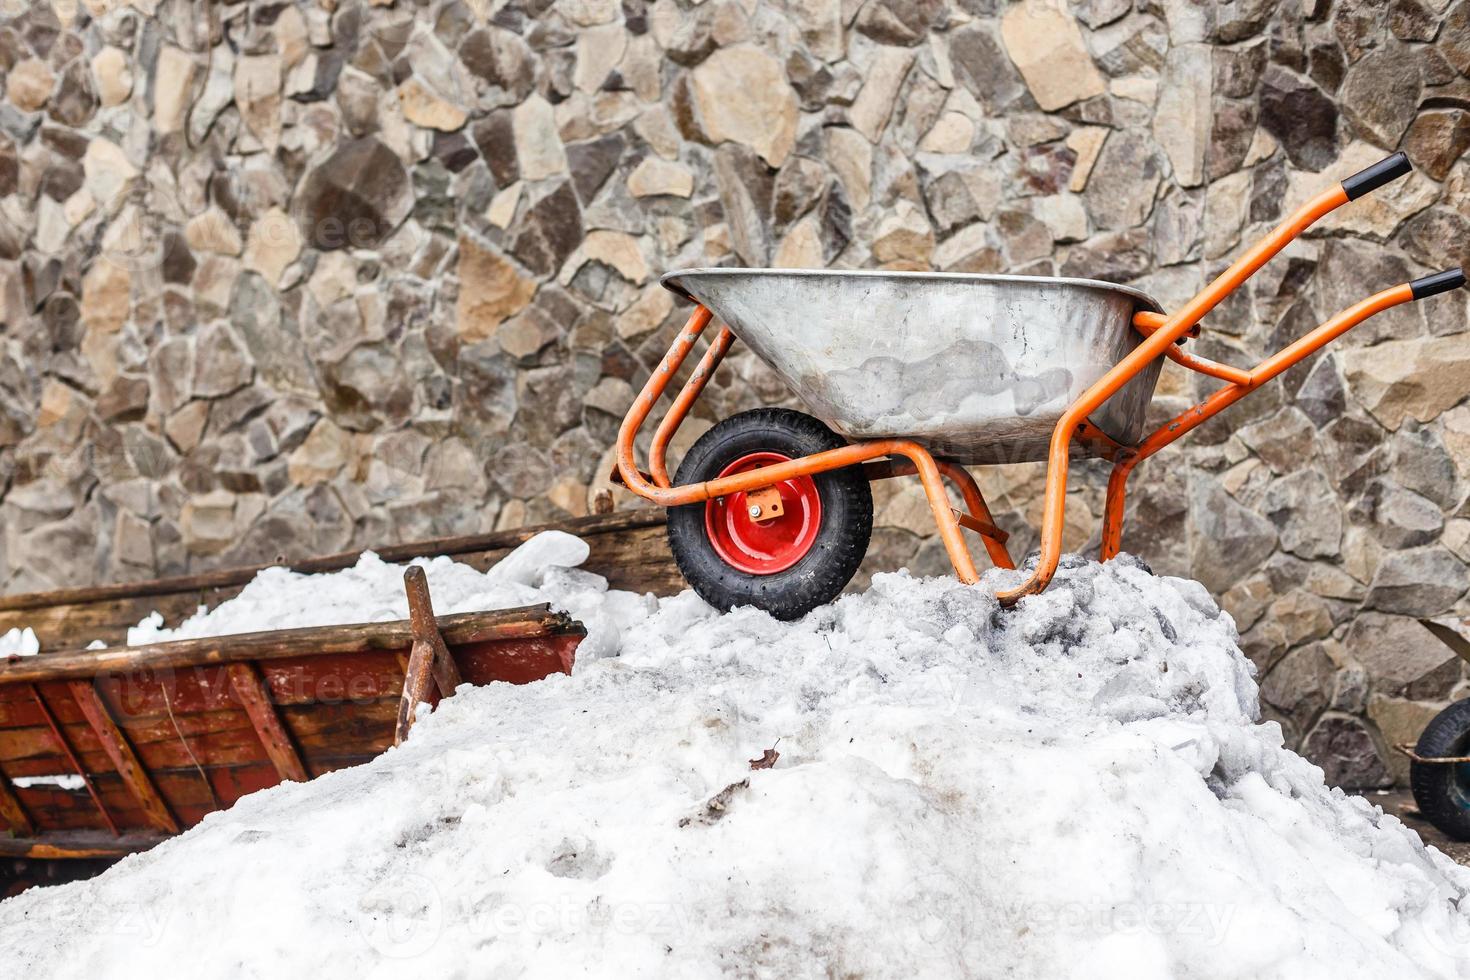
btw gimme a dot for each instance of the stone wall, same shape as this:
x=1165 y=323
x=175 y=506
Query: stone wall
x=291 y=276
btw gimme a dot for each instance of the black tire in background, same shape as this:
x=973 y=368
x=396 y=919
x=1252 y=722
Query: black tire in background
x=841 y=540
x=1442 y=789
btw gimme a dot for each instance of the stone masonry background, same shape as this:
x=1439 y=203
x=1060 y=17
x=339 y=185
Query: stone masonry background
x=281 y=277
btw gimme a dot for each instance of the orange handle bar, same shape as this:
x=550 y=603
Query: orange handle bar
x=1161 y=339
x=1302 y=348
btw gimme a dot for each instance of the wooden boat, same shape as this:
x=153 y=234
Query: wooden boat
x=159 y=735
x=132 y=745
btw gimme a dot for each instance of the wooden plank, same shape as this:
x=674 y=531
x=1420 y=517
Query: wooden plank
x=54 y=809
x=215 y=737
x=421 y=620
x=522 y=662
x=527 y=621
x=331 y=678
x=629 y=549
x=273 y=735
x=595 y=525
x=61 y=742
x=12 y=812
x=224 y=738
x=124 y=759
x=325 y=678
x=415 y=687
x=77 y=845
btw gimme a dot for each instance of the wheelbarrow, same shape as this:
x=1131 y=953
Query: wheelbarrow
x=925 y=373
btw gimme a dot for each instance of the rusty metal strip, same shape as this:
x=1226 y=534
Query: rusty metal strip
x=256 y=700
x=1099 y=443
x=979 y=526
x=1457 y=641
x=1438 y=760
x=124 y=759
x=65 y=745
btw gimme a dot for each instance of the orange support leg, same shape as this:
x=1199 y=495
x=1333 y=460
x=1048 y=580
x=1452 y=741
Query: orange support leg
x=978 y=518
x=648 y=397
x=664 y=434
x=994 y=538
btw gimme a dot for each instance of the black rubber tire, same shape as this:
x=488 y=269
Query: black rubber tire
x=1442 y=790
x=842 y=539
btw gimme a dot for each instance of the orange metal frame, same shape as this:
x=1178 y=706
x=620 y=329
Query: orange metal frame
x=1161 y=334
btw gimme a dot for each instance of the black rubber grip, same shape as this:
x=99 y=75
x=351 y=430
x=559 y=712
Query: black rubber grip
x=1440 y=282
x=1374 y=177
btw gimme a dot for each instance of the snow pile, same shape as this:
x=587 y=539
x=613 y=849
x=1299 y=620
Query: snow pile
x=1078 y=787
x=19 y=643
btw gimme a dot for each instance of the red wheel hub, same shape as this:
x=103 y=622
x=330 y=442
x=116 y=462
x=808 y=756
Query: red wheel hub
x=764 y=547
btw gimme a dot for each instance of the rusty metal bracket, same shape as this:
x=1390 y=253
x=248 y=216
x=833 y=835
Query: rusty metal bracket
x=764 y=504
x=978 y=526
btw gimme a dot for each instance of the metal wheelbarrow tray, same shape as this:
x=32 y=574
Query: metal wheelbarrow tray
x=924 y=373
x=976 y=369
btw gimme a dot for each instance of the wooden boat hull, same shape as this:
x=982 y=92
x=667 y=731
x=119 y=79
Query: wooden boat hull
x=169 y=732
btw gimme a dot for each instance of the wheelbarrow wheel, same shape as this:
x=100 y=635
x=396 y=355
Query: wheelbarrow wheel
x=1442 y=789
x=787 y=565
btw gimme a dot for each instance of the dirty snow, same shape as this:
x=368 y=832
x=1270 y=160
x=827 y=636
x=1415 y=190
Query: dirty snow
x=19 y=642
x=1078 y=787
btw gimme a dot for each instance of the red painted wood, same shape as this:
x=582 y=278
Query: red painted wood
x=12 y=812
x=273 y=735
x=335 y=709
x=124 y=760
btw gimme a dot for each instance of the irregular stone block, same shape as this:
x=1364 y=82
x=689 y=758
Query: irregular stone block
x=1347 y=753
x=742 y=96
x=1416 y=378
x=1121 y=190
x=1183 y=115
x=1418 y=582
x=1044 y=43
x=491 y=290
x=356 y=197
x=1227 y=541
x=1301 y=117
x=1380 y=94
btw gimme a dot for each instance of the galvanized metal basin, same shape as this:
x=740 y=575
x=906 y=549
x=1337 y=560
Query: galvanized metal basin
x=975 y=368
